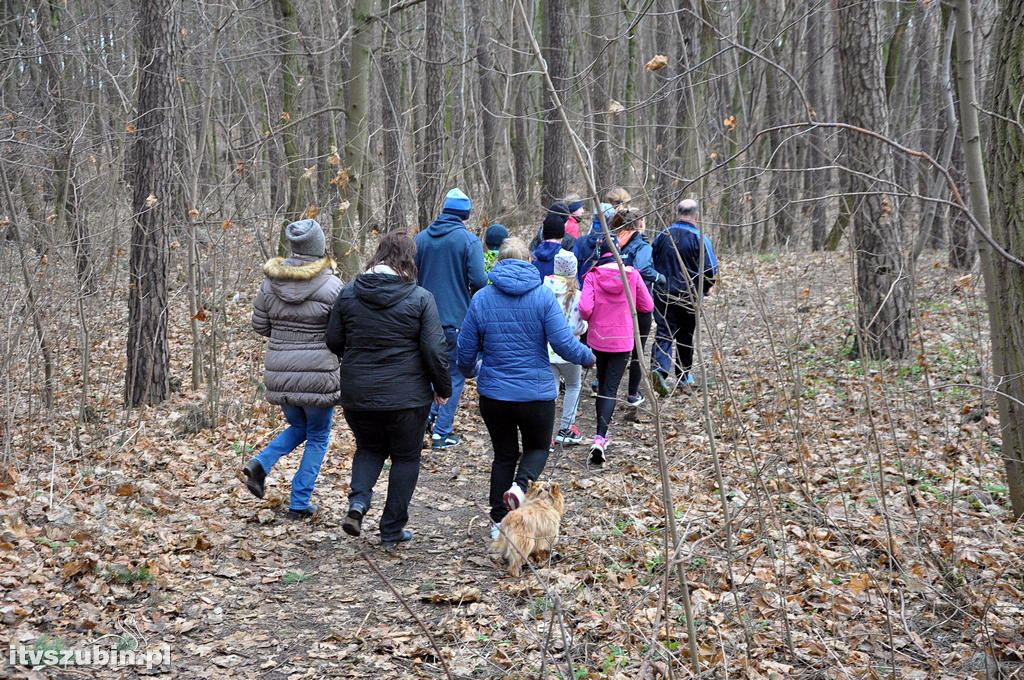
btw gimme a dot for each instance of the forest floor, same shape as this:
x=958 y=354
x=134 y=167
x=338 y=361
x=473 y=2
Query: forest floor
x=869 y=529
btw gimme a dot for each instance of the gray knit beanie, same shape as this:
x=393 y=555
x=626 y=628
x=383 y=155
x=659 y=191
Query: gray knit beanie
x=306 y=238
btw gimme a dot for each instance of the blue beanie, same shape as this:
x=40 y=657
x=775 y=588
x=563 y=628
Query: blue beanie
x=495 y=236
x=456 y=203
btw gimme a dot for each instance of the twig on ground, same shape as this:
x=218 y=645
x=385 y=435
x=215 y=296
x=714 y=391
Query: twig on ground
x=416 y=618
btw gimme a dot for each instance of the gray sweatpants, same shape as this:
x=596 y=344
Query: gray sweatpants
x=572 y=373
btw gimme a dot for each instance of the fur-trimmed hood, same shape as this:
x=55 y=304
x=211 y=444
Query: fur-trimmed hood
x=298 y=267
x=297 y=278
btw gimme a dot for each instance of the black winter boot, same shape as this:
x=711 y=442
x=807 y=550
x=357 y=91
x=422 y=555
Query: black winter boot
x=255 y=476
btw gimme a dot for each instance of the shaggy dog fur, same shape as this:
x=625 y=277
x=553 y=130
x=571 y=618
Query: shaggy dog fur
x=533 y=528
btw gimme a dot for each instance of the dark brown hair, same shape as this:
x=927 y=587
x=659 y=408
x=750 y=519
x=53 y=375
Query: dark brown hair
x=398 y=251
x=625 y=217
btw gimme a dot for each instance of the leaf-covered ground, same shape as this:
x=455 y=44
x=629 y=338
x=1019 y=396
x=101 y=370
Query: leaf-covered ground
x=868 y=530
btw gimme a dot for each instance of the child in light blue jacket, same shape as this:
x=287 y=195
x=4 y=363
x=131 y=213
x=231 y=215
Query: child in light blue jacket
x=563 y=284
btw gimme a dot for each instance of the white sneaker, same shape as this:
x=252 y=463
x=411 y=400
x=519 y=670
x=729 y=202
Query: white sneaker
x=495 y=531
x=513 y=497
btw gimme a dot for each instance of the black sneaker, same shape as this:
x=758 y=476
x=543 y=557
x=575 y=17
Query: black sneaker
x=439 y=442
x=255 y=477
x=569 y=436
x=403 y=537
x=298 y=515
x=635 y=399
x=353 y=523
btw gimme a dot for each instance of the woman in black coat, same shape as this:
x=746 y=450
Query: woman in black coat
x=394 y=364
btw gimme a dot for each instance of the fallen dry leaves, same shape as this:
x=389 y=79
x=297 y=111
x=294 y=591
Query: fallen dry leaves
x=869 y=521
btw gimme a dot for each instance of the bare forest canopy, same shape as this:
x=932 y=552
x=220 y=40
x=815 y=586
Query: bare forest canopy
x=859 y=166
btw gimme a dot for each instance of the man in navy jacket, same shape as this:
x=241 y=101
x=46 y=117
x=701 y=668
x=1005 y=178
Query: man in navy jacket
x=686 y=259
x=450 y=262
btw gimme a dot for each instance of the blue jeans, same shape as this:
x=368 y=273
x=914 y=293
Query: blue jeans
x=444 y=416
x=305 y=424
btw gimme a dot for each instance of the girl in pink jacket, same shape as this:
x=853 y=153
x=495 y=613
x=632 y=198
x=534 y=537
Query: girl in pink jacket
x=604 y=306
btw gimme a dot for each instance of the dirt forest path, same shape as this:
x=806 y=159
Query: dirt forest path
x=869 y=525
x=308 y=605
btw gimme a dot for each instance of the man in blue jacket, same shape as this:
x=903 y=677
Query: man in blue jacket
x=450 y=261
x=687 y=261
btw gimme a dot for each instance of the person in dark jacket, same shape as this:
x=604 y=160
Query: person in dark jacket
x=450 y=262
x=386 y=331
x=511 y=323
x=588 y=248
x=301 y=373
x=552 y=232
x=687 y=261
x=628 y=226
x=557 y=212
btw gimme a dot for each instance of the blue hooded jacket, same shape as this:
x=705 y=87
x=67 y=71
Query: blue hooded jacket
x=682 y=241
x=512 y=322
x=450 y=261
x=544 y=257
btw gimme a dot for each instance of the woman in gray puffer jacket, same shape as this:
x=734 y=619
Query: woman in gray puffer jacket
x=302 y=376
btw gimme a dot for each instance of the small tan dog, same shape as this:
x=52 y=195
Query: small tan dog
x=532 y=529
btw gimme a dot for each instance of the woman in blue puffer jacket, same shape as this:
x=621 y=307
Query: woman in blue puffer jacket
x=511 y=323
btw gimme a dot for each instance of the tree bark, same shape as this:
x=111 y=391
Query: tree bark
x=1004 y=281
x=349 y=239
x=816 y=182
x=555 y=180
x=431 y=152
x=883 y=290
x=65 y=183
x=291 y=51
x=153 y=188
x=489 y=101
x=601 y=118
x=394 y=158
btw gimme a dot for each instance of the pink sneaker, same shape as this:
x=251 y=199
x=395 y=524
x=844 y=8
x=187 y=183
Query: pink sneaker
x=597 y=456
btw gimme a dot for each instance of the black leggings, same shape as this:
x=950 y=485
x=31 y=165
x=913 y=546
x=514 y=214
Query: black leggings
x=505 y=420
x=610 y=368
x=636 y=364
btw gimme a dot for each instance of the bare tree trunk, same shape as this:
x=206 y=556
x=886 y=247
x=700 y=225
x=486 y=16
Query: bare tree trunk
x=489 y=101
x=1004 y=280
x=27 y=279
x=291 y=49
x=431 y=150
x=816 y=182
x=349 y=238
x=394 y=157
x=557 y=145
x=65 y=183
x=522 y=175
x=779 y=180
x=883 y=286
x=601 y=120
x=148 y=353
